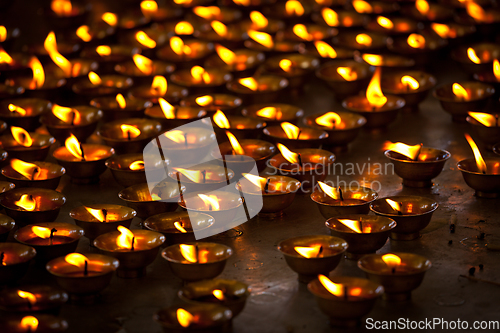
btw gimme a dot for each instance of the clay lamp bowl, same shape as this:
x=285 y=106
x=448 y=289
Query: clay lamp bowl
x=120 y=107
x=255 y=152
x=201 y=80
x=26 y=146
x=344 y=20
x=394 y=26
x=141 y=69
x=420 y=47
x=261 y=89
x=295 y=137
x=174 y=53
x=326 y=52
x=476 y=58
x=240 y=62
x=296 y=68
x=108 y=56
x=486 y=184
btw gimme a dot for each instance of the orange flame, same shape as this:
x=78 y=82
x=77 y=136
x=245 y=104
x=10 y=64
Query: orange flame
x=3 y=33
x=21 y=136
x=481 y=165
x=237 y=148
x=347 y=73
x=364 y=39
x=219 y=28
x=17 y=109
x=68 y=115
x=27 y=202
x=221 y=120
x=179 y=227
x=219 y=294
x=41 y=232
x=130 y=131
x=294 y=7
x=362 y=7
x=269 y=112
x=176 y=136
x=74 y=147
x=27 y=295
x=110 y=18
x=50 y=46
x=184 y=317
x=422 y=7
x=394 y=205
x=309 y=251
x=208 y=13
x=5 y=57
x=289 y=155
x=332 y=192
x=291 y=131
x=122 y=103
x=159 y=85
x=29 y=323
x=336 y=289
x=149 y=7
x=373 y=59
x=189 y=252
x=325 y=50
x=411 y=152
x=416 y=41
x=38 y=73
x=103 y=50
x=94 y=78
x=374 y=93
x=262 y=38
x=200 y=75
x=167 y=108
x=211 y=201
x=126 y=238
x=76 y=259
x=61 y=7
x=228 y=56
x=391 y=260
x=301 y=31
x=256 y=180
x=354 y=225
x=245 y=3
x=83 y=33
x=496 y=69
x=196 y=176
x=330 y=16
x=184 y=28
x=477 y=12
x=410 y=82
x=144 y=64
x=286 y=65
x=29 y=170
x=471 y=53
x=385 y=22
x=443 y=30
x=259 y=21
x=331 y=120
x=137 y=165
x=145 y=40
x=249 y=82
x=460 y=91
x=97 y=213
x=177 y=45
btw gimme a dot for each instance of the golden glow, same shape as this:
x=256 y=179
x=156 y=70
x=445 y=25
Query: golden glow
x=269 y=112
x=364 y=39
x=286 y=65
x=347 y=73
x=179 y=227
x=249 y=82
x=196 y=176
x=422 y=7
x=416 y=41
x=289 y=155
x=17 y=109
x=200 y=75
x=103 y=50
x=176 y=136
x=211 y=201
x=391 y=260
x=149 y=7
x=177 y=45
x=259 y=21
x=373 y=59
x=189 y=252
x=130 y=131
x=481 y=165
x=83 y=33
x=38 y=73
x=354 y=225
x=184 y=317
x=291 y=131
x=294 y=7
x=21 y=136
x=374 y=93
x=27 y=295
x=5 y=57
x=204 y=100
x=394 y=205
x=336 y=289
x=476 y=12
x=308 y=251
x=471 y=53
x=256 y=180
x=144 y=64
x=74 y=146
x=385 y=22
x=61 y=7
x=3 y=33
x=41 y=232
x=219 y=28
x=126 y=238
x=362 y=7
x=159 y=85
x=235 y=144
x=68 y=115
x=325 y=50
x=410 y=82
x=184 y=28
x=331 y=120
x=262 y=38
x=208 y=13
x=145 y=40
x=122 y=103
x=225 y=54
x=460 y=91
x=137 y=165
x=50 y=46
x=332 y=192
x=29 y=323
x=110 y=18
x=183 y=2
x=29 y=170
x=496 y=69
x=97 y=213
x=330 y=16
x=301 y=31
x=167 y=108
x=76 y=259
x=443 y=30
x=411 y=152
x=219 y=294
x=94 y=78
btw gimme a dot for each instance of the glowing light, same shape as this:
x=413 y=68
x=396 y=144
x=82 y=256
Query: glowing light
x=196 y=176
x=167 y=108
x=61 y=7
x=76 y=259
x=289 y=155
x=443 y=30
x=330 y=16
x=394 y=205
x=336 y=289
x=21 y=136
x=259 y=21
x=410 y=82
x=219 y=294
x=354 y=225
x=189 y=252
x=330 y=191
x=126 y=238
x=249 y=82
x=362 y=7
x=159 y=85
x=291 y=131
x=110 y=18
x=481 y=165
x=416 y=41
x=496 y=69
x=211 y=201
x=208 y=13
x=29 y=323
x=103 y=50
x=145 y=40
x=17 y=109
x=184 y=28
x=144 y=64
x=411 y=152
x=422 y=7
x=347 y=73
x=219 y=28
x=460 y=91
x=391 y=260
x=179 y=227
x=66 y=114
x=83 y=33
x=97 y=213
x=177 y=45
x=477 y=12
x=331 y=120
x=256 y=180
x=294 y=8
x=364 y=39
x=27 y=295
x=269 y=112
x=226 y=55
x=286 y=65
x=3 y=33
x=385 y=22
x=29 y=170
x=373 y=59
x=50 y=46
x=38 y=73
x=204 y=100
x=27 y=202
x=5 y=57
x=184 y=317
x=130 y=131
x=149 y=7
x=301 y=31
x=309 y=251
x=137 y=165
x=374 y=93
x=235 y=144
x=325 y=50
x=94 y=78
x=471 y=53
x=200 y=75
x=262 y=38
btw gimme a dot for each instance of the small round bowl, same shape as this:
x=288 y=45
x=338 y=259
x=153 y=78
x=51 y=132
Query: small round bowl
x=496 y=148
x=240 y=127
x=228 y=104
x=422 y=55
x=257 y=152
x=419 y=173
x=34 y=108
x=120 y=168
x=356 y=201
x=46 y=323
x=183 y=115
x=301 y=66
x=200 y=49
x=158 y=67
x=486 y=52
x=308 y=138
x=189 y=221
x=37 y=152
x=401 y=26
x=348 y=40
x=213 y=263
x=48 y=300
x=7 y=224
x=15 y=263
x=408 y=225
x=215 y=176
x=280 y=112
x=308 y=268
x=399 y=284
x=375 y=118
x=117 y=215
x=244 y=64
x=218 y=78
x=488 y=135
x=391 y=84
x=52 y=172
x=48 y=204
x=112 y=84
x=485 y=185
x=111 y=110
x=65 y=240
x=235 y=293
x=269 y=89
x=379 y=228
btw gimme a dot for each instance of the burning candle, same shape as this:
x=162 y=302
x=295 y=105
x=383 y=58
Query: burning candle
x=333 y=201
x=291 y=10
x=262 y=41
x=241 y=62
x=309 y=32
x=413 y=86
x=240 y=127
x=424 y=10
x=26 y=146
x=486 y=126
x=295 y=67
x=24 y=112
x=422 y=48
x=109 y=56
x=477 y=57
x=411 y=213
x=389 y=62
x=194 y=317
x=6 y=226
x=185 y=52
x=454 y=33
x=37 y=174
x=392 y=26
x=490 y=76
x=213 y=102
x=231 y=35
x=221 y=205
x=50 y=239
x=14 y=261
x=326 y=52
x=374 y=7
x=128 y=169
x=295 y=137
x=197 y=261
x=259 y=22
x=34 y=323
x=398 y=273
x=141 y=69
x=83 y=162
x=83 y=276
x=120 y=107
x=134 y=249
x=341 y=19
x=171 y=116
x=95 y=85
x=203 y=177
x=366 y=41
x=475 y=14
x=159 y=88
x=363 y=233
x=273 y=113
x=160 y=12
x=263 y=88
x=201 y=80
x=34 y=298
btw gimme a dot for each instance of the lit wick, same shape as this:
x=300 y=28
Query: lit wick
x=128 y=135
x=73 y=116
x=345 y=292
x=266 y=187
x=418 y=153
x=399 y=211
x=204 y=173
x=185 y=140
x=320 y=251
x=35 y=171
x=298 y=135
x=132 y=246
x=393 y=270
x=105 y=214
x=86 y=268
x=83 y=155
x=340 y=194
x=496 y=120
x=300 y=160
x=51 y=238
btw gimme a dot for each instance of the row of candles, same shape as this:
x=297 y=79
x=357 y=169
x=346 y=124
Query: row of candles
x=139 y=88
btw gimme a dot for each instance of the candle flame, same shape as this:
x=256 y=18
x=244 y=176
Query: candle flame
x=291 y=131
x=221 y=120
x=486 y=119
x=76 y=259
x=347 y=73
x=177 y=45
x=442 y=30
x=262 y=38
x=3 y=33
x=5 y=57
x=471 y=53
x=97 y=213
x=122 y=103
x=362 y=7
x=196 y=176
x=149 y=7
x=184 y=28
x=422 y=7
x=29 y=170
x=184 y=317
x=137 y=165
x=204 y=100
x=211 y=201
x=245 y=3
x=460 y=91
x=68 y=115
x=394 y=205
x=269 y=112
x=373 y=59
x=176 y=135
x=477 y=12
x=21 y=136
x=38 y=73
x=61 y=7
x=130 y=131
x=286 y=65
x=225 y=54
x=330 y=16
x=300 y=30
x=41 y=232
x=83 y=33
x=416 y=41
x=256 y=180
x=189 y=252
x=219 y=294
x=74 y=146
x=332 y=192
x=258 y=20
x=144 y=64
x=391 y=260
x=200 y=75
x=364 y=39
x=235 y=144
x=167 y=108
x=27 y=295
x=410 y=82
x=309 y=251
x=249 y=82
x=331 y=120
x=385 y=22
x=354 y=225
x=496 y=69
x=336 y=289
x=219 y=28
x=289 y=155
x=294 y=7
x=110 y=18
x=103 y=50
x=17 y=109
x=29 y=323
x=179 y=227
x=50 y=46
x=374 y=92
x=411 y=152
x=159 y=85
x=94 y=78
x=481 y=165
x=208 y=13
x=325 y=50
x=126 y=238
x=145 y=40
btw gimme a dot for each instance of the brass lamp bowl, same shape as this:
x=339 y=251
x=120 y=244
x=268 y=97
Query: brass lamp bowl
x=419 y=173
x=165 y=224
x=375 y=118
x=391 y=84
x=34 y=108
x=346 y=312
x=488 y=135
x=53 y=172
x=283 y=112
x=486 y=185
x=218 y=78
x=348 y=39
x=301 y=66
x=496 y=149
x=308 y=137
x=17 y=258
x=270 y=88
x=118 y=215
x=486 y=53
x=38 y=151
x=216 y=258
x=235 y=293
x=229 y=104
x=216 y=176
x=257 y=152
x=46 y=323
x=399 y=284
x=332 y=250
x=240 y=127
x=7 y=224
x=356 y=201
x=120 y=168
x=183 y=115
x=408 y=226
x=378 y=229
x=48 y=300
x=111 y=109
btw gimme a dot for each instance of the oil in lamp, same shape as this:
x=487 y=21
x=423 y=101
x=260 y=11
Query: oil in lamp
x=459 y=98
x=275 y=192
x=24 y=112
x=50 y=239
x=83 y=276
x=424 y=10
x=240 y=127
x=15 y=260
x=230 y=35
x=197 y=261
x=308 y=33
x=26 y=146
x=295 y=137
x=363 y=233
x=258 y=22
x=476 y=58
x=185 y=52
x=232 y=294
x=83 y=162
x=95 y=85
x=262 y=41
x=273 y=113
x=7 y=224
x=109 y=56
x=294 y=67
x=141 y=69
x=32 y=298
x=178 y=227
x=390 y=62
x=258 y=89
x=211 y=103
x=210 y=318
x=37 y=174
x=417 y=165
x=422 y=48
x=203 y=177
x=341 y=19
x=62 y=121
x=129 y=135
x=411 y=213
x=345 y=299
x=34 y=323
x=366 y=41
x=342 y=127
x=306 y=165
x=413 y=86
x=134 y=249
x=486 y=126
x=201 y=80
x=119 y=107
x=482 y=175
x=345 y=77
x=399 y=273
x=127 y=169
x=378 y=109
x=159 y=88
x=342 y=200
x=393 y=26
x=453 y=32
x=240 y=63
x=101 y=218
